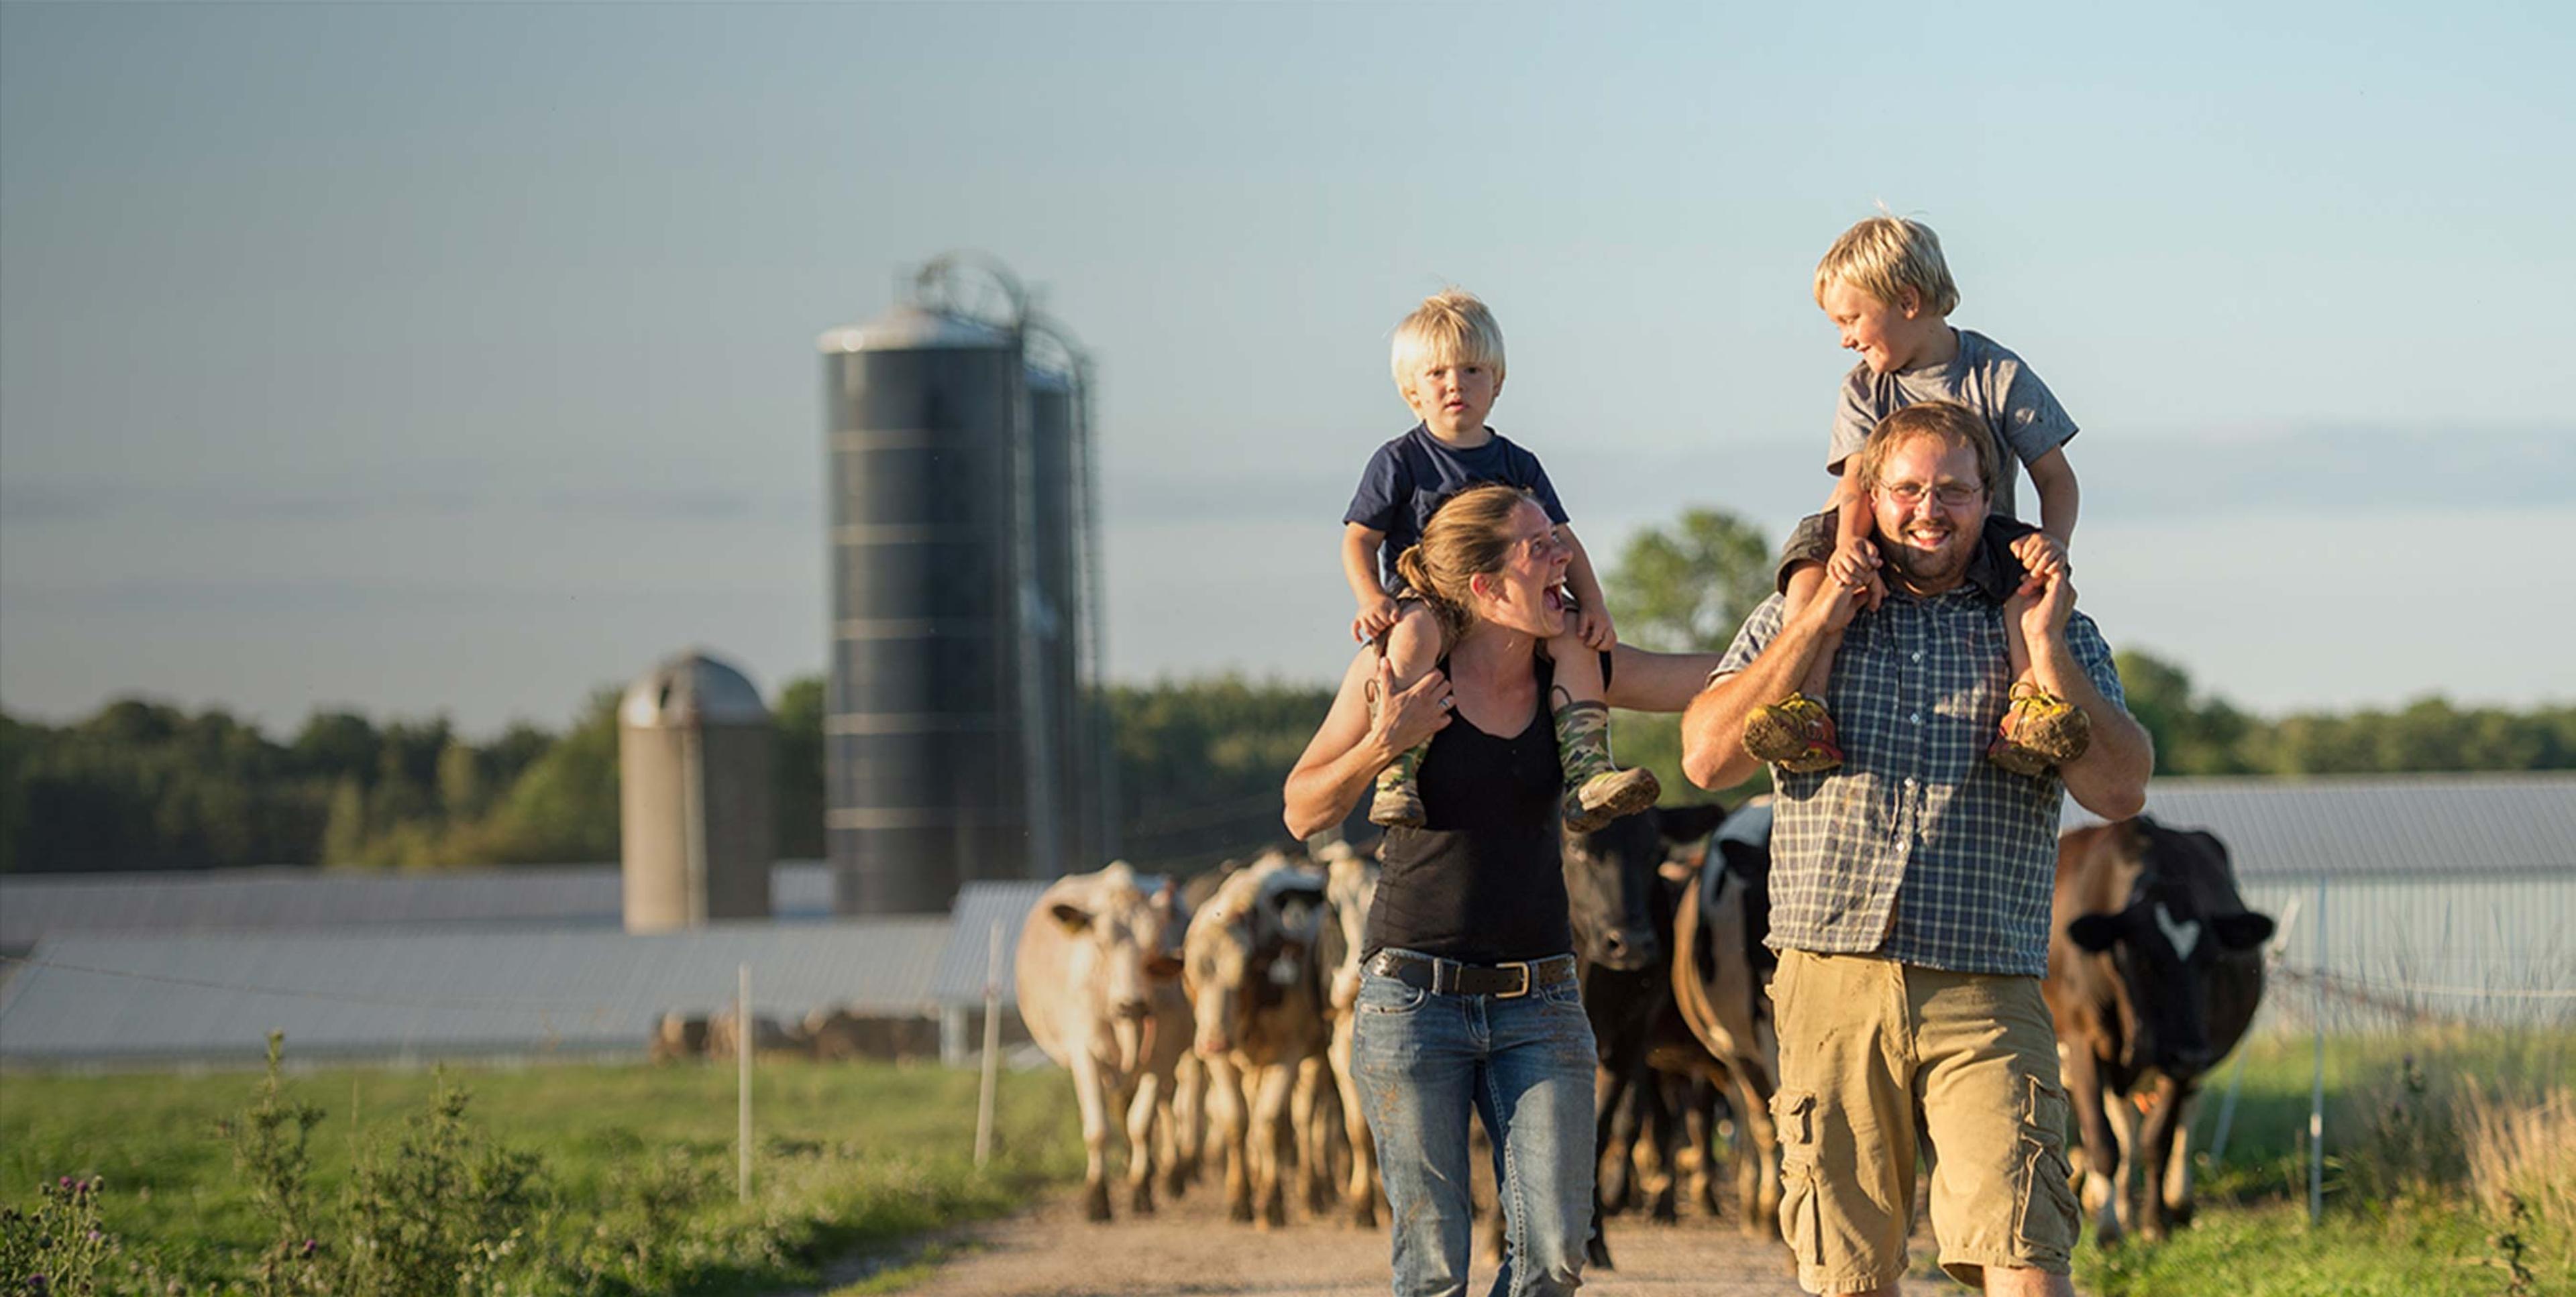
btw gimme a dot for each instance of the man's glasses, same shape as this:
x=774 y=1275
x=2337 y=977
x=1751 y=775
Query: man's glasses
x=1952 y=495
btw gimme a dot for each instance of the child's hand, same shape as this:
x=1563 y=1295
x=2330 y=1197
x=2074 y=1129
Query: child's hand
x=1855 y=565
x=1592 y=626
x=1375 y=616
x=2042 y=560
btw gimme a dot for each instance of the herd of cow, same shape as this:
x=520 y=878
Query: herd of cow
x=1215 y=1020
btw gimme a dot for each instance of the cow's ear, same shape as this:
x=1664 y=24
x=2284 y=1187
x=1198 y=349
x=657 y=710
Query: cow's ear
x=1071 y=917
x=1165 y=967
x=2242 y=931
x=2094 y=932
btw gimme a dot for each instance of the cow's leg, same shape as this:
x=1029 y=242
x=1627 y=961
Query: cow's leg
x=1268 y=1115
x=1312 y=1141
x=1654 y=1126
x=1226 y=1125
x=2124 y=1171
x=1609 y=1089
x=2154 y=1149
x=1699 y=1135
x=1140 y=1144
x=2178 y=1202
x=1359 y=1196
x=1089 y=1094
x=2083 y=1076
x=1188 y=1124
x=1757 y=1174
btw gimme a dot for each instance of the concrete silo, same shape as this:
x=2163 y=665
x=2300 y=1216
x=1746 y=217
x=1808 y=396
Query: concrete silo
x=693 y=756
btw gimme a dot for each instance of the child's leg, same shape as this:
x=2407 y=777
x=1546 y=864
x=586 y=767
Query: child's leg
x=1412 y=650
x=2039 y=731
x=1795 y=733
x=1596 y=791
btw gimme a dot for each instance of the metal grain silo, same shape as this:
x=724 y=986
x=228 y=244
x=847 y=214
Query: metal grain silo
x=1067 y=557
x=924 y=736
x=693 y=757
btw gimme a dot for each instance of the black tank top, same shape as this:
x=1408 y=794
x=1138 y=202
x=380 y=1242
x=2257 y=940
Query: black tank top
x=1483 y=880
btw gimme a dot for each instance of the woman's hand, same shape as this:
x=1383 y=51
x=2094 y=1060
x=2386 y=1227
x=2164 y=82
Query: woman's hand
x=1410 y=716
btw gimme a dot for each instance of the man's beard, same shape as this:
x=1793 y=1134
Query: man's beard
x=1917 y=567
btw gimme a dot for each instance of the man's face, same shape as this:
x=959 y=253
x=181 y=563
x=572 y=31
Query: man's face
x=1452 y=398
x=1930 y=506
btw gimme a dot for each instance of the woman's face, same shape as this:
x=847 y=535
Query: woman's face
x=1528 y=594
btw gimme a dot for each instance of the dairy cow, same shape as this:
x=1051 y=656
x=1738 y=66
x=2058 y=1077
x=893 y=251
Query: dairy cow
x=1257 y=1003
x=1720 y=971
x=2154 y=972
x=1099 y=990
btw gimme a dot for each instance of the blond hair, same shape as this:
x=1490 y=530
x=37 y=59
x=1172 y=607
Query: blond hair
x=1885 y=255
x=1469 y=536
x=1452 y=326
x=1943 y=421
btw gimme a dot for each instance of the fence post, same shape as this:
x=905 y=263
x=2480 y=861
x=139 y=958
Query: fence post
x=742 y=1084
x=2317 y=1089
x=992 y=1045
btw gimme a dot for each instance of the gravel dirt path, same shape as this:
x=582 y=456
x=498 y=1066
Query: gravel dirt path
x=1190 y=1248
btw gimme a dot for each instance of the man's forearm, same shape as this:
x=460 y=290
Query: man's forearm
x=1713 y=754
x=2110 y=779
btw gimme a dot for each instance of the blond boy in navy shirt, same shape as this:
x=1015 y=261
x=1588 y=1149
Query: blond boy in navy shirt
x=1448 y=361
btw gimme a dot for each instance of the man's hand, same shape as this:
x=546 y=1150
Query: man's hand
x=2041 y=558
x=1410 y=715
x=1375 y=616
x=1592 y=626
x=2042 y=606
x=1855 y=563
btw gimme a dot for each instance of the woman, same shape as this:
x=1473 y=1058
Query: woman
x=1469 y=998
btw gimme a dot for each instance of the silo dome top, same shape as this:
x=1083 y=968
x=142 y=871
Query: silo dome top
x=912 y=328
x=691 y=689
x=1041 y=379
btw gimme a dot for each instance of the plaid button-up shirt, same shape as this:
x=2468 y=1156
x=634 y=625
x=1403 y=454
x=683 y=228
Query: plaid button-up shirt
x=1917 y=847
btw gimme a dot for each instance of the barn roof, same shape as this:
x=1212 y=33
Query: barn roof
x=2384 y=826
x=398 y=994
x=283 y=898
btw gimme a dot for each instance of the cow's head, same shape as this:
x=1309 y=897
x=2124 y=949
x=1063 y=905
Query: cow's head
x=1249 y=948
x=2163 y=941
x=1118 y=950
x=1610 y=882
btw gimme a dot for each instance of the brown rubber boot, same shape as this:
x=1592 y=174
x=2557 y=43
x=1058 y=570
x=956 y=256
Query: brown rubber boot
x=1795 y=734
x=1597 y=792
x=2040 y=731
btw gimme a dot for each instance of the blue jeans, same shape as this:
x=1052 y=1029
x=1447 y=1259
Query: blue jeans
x=1524 y=1065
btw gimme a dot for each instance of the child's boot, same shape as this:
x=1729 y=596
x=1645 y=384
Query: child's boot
x=2040 y=730
x=1794 y=734
x=1597 y=792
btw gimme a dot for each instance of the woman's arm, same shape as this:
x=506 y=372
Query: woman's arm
x=1349 y=749
x=1641 y=681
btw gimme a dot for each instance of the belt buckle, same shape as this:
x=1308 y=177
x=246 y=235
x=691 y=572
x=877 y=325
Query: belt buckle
x=1526 y=979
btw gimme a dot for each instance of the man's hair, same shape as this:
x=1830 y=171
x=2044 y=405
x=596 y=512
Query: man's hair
x=1468 y=536
x=1944 y=421
x=1450 y=325
x=1885 y=255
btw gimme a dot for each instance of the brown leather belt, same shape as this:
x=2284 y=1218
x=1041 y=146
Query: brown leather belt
x=1505 y=981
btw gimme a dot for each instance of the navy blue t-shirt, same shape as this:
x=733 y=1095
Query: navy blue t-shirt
x=1410 y=477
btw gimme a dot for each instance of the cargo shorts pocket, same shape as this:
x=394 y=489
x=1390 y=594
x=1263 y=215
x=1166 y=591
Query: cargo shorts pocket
x=1802 y=1221
x=2046 y=1219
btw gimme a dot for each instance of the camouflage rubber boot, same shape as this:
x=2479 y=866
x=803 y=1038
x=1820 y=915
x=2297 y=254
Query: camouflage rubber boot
x=1395 y=802
x=1597 y=792
x=2040 y=731
x=1794 y=734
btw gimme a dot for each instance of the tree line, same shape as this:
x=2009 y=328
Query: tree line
x=1199 y=763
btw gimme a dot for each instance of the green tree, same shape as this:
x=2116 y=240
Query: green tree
x=564 y=808
x=796 y=769
x=1686 y=588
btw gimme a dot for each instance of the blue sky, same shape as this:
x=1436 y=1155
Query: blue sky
x=460 y=357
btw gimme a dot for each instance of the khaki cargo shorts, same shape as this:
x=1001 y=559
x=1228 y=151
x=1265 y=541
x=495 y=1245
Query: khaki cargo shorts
x=1876 y=1056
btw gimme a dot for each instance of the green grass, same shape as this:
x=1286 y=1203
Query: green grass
x=2399 y=1218
x=845 y=1155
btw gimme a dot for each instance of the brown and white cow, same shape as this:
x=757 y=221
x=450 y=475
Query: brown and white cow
x=2154 y=971
x=1721 y=969
x=1257 y=1002
x=1099 y=988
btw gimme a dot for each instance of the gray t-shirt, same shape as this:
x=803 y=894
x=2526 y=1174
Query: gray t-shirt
x=2018 y=408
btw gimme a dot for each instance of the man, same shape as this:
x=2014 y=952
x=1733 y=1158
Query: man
x=1910 y=886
